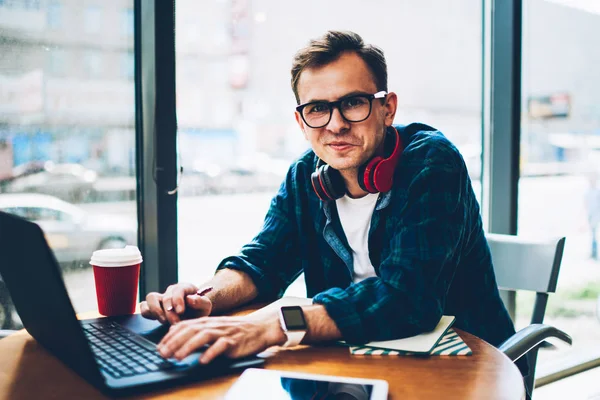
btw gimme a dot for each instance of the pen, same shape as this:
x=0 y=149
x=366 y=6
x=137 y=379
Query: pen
x=204 y=291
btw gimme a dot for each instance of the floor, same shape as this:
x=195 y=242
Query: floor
x=584 y=386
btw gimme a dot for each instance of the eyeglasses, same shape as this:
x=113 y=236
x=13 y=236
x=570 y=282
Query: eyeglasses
x=355 y=108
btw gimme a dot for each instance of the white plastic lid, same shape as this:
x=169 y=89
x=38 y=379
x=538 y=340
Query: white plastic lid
x=129 y=255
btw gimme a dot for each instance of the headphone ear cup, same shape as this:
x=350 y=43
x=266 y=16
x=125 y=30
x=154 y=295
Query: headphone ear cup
x=361 y=177
x=333 y=182
x=381 y=173
x=369 y=173
x=316 y=184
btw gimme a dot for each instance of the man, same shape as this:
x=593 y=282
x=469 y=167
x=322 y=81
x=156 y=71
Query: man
x=377 y=265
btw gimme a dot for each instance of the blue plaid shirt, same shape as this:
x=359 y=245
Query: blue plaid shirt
x=426 y=243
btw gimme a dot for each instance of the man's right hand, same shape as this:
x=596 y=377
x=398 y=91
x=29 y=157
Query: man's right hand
x=169 y=307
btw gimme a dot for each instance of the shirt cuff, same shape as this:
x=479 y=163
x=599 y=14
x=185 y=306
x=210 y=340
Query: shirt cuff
x=342 y=311
x=263 y=285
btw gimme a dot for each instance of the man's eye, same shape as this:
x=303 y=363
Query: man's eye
x=353 y=102
x=318 y=108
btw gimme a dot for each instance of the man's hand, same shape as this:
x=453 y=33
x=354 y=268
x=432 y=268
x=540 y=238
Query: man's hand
x=233 y=337
x=177 y=299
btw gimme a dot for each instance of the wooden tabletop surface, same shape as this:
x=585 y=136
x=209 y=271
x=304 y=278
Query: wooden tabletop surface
x=27 y=371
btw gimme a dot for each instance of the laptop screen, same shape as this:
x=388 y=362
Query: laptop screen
x=34 y=281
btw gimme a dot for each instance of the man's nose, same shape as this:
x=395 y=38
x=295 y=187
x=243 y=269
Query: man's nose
x=337 y=124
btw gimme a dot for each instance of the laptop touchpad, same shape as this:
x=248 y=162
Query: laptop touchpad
x=148 y=328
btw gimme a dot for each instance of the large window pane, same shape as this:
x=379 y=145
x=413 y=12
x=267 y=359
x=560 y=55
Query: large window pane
x=235 y=106
x=67 y=136
x=560 y=162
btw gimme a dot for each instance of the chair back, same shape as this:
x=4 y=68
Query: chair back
x=526 y=264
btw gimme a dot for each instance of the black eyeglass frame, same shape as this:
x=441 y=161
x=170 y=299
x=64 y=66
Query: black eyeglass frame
x=337 y=104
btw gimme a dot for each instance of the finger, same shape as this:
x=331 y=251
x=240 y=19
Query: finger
x=169 y=345
x=207 y=336
x=145 y=311
x=155 y=308
x=193 y=326
x=172 y=317
x=178 y=296
x=173 y=330
x=196 y=324
x=166 y=299
x=221 y=346
x=170 y=314
x=201 y=305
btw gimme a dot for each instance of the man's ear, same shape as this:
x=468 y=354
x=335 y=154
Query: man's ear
x=301 y=124
x=390 y=106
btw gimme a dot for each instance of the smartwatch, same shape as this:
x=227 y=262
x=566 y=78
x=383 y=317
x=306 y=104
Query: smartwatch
x=293 y=324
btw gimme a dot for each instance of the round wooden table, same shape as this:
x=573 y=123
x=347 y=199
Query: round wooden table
x=28 y=371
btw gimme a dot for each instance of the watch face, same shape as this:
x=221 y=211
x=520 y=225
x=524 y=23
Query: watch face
x=294 y=318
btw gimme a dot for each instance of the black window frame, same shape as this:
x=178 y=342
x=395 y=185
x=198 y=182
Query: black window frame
x=156 y=152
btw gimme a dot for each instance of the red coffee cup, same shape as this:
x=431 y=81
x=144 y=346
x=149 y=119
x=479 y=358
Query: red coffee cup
x=116 y=272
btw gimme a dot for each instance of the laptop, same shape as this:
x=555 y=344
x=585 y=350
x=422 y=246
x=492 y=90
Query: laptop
x=115 y=354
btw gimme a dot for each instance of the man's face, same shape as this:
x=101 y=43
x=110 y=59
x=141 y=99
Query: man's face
x=341 y=144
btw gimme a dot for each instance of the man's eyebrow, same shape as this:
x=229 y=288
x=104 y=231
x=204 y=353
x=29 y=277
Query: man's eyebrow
x=350 y=94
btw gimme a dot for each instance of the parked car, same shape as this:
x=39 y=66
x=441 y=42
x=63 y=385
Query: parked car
x=244 y=180
x=72 y=232
x=6 y=308
x=69 y=182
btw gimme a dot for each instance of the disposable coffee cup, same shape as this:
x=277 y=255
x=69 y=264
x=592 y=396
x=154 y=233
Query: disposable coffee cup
x=116 y=273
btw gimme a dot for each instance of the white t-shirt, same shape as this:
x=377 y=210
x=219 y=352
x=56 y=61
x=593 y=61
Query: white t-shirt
x=355 y=217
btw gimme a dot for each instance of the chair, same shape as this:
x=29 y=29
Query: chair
x=533 y=265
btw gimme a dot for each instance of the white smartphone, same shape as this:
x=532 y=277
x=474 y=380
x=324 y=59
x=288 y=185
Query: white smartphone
x=284 y=385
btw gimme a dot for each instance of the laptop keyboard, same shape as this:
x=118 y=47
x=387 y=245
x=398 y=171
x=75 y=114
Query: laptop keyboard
x=122 y=353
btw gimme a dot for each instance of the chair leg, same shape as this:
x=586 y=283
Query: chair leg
x=529 y=382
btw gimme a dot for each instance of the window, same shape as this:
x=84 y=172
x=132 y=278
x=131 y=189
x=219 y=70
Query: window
x=559 y=187
x=127 y=65
x=57 y=61
x=127 y=22
x=54 y=15
x=32 y=4
x=40 y=214
x=92 y=19
x=22 y=212
x=93 y=63
x=237 y=133
x=67 y=143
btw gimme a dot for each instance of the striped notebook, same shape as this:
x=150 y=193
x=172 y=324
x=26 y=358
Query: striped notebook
x=449 y=345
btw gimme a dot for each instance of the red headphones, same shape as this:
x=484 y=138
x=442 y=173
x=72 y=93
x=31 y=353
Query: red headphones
x=376 y=175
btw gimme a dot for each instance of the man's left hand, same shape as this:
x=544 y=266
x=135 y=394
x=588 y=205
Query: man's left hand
x=233 y=337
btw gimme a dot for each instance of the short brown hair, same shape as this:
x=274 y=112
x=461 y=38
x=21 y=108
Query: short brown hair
x=329 y=47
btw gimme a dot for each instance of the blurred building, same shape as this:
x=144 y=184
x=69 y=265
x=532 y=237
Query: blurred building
x=67 y=90
x=560 y=85
x=66 y=81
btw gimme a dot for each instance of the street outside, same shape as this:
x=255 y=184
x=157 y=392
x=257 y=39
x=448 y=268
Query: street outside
x=213 y=227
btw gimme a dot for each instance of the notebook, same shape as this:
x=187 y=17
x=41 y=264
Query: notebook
x=451 y=344
x=419 y=344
